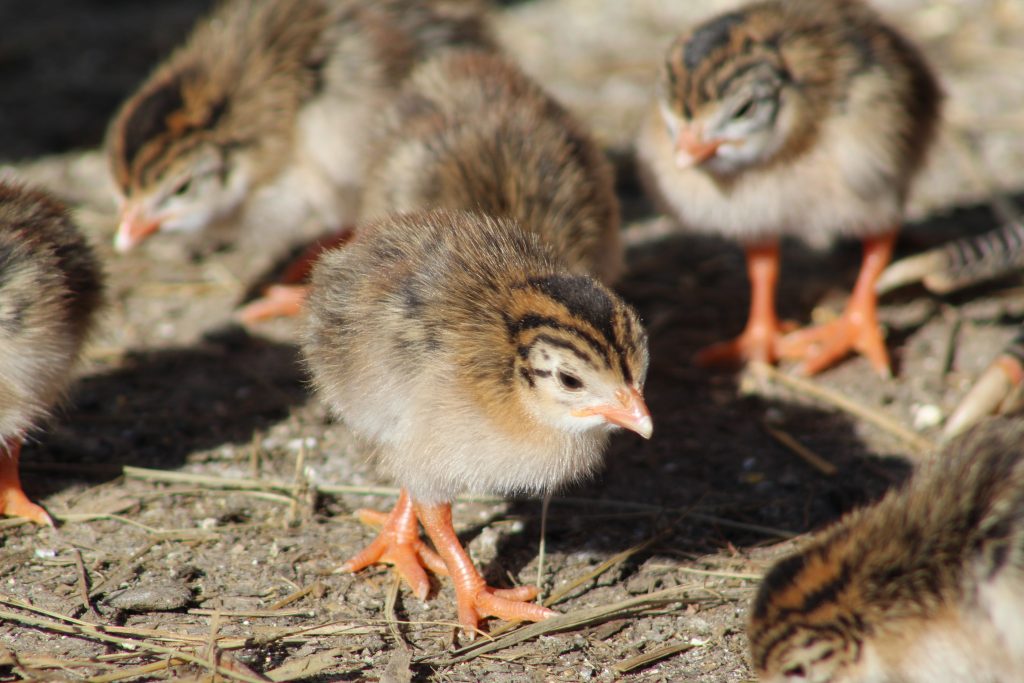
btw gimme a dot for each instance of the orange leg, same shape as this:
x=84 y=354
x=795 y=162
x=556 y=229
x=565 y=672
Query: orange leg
x=759 y=339
x=857 y=329
x=285 y=299
x=399 y=544
x=13 y=500
x=475 y=598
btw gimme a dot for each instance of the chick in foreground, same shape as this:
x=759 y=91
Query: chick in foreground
x=957 y=265
x=50 y=289
x=800 y=118
x=927 y=585
x=471 y=346
x=258 y=121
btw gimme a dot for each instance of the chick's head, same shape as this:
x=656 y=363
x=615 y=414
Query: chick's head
x=580 y=356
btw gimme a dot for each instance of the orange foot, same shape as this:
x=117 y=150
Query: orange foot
x=758 y=342
x=13 y=500
x=475 y=598
x=278 y=301
x=823 y=346
x=399 y=544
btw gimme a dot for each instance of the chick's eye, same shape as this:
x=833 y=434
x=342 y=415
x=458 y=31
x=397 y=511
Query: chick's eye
x=183 y=188
x=746 y=109
x=570 y=382
x=795 y=672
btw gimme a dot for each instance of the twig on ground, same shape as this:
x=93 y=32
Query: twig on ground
x=654 y=655
x=806 y=454
x=578 y=619
x=837 y=400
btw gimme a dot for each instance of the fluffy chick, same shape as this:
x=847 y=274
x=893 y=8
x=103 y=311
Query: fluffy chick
x=50 y=289
x=470 y=131
x=464 y=351
x=927 y=585
x=258 y=120
x=802 y=118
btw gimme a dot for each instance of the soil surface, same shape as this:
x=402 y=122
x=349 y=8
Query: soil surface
x=205 y=497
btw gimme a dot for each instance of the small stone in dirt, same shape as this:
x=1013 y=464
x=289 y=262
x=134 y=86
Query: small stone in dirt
x=152 y=597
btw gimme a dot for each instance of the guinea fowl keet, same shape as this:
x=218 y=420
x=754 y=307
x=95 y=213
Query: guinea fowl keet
x=462 y=334
x=50 y=289
x=801 y=118
x=258 y=121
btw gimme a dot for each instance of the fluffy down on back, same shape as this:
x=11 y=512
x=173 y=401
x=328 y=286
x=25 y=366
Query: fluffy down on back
x=470 y=131
x=50 y=288
x=456 y=344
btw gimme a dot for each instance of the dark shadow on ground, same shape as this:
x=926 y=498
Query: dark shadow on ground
x=159 y=406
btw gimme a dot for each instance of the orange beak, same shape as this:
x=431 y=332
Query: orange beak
x=692 y=150
x=134 y=228
x=630 y=413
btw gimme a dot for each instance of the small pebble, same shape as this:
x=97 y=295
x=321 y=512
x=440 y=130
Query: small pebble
x=926 y=416
x=152 y=597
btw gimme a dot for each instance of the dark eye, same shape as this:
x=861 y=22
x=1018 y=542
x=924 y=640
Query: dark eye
x=795 y=672
x=570 y=382
x=745 y=110
x=183 y=188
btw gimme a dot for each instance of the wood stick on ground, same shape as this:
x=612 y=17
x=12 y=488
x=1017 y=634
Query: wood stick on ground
x=83 y=584
x=585 y=617
x=806 y=454
x=654 y=655
x=90 y=631
x=145 y=474
x=917 y=442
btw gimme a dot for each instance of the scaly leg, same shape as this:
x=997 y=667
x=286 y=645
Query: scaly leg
x=857 y=329
x=475 y=598
x=399 y=544
x=285 y=299
x=758 y=340
x=13 y=500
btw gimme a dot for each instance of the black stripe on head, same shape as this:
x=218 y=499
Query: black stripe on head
x=582 y=299
x=532 y=322
x=709 y=37
x=149 y=117
x=780 y=576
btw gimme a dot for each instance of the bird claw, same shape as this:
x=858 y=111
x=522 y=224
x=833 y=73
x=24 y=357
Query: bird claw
x=399 y=545
x=13 y=502
x=821 y=347
x=757 y=343
x=989 y=395
x=278 y=301
x=511 y=604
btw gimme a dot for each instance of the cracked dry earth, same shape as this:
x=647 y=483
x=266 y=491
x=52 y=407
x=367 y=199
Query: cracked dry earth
x=161 y=559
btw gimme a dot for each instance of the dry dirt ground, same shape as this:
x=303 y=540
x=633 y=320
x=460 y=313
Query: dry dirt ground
x=204 y=497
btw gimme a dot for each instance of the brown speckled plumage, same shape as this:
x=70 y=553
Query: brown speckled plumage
x=462 y=334
x=471 y=131
x=419 y=337
x=927 y=585
x=50 y=289
x=801 y=118
x=259 y=119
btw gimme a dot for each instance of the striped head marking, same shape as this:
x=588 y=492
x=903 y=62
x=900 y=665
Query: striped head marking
x=723 y=95
x=171 y=171
x=581 y=355
x=802 y=627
